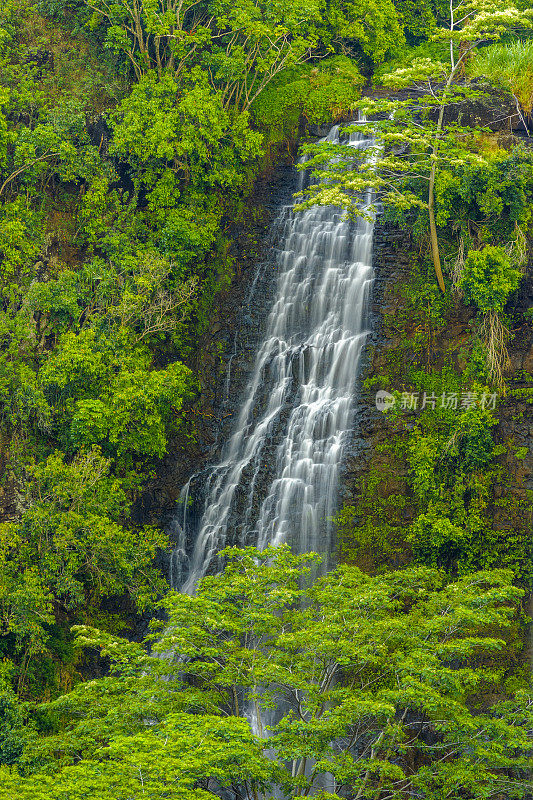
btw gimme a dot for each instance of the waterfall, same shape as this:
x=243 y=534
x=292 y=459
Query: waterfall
x=278 y=479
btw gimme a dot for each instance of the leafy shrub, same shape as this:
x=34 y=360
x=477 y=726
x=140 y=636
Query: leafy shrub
x=494 y=194
x=437 y=541
x=488 y=279
x=318 y=92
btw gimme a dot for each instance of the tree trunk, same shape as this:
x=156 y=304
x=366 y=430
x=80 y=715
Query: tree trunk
x=431 y=193
x=433 y=230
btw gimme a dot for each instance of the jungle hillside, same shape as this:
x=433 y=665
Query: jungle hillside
x=134 y=135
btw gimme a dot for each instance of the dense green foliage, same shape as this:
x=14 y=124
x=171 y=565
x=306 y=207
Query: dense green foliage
x=376 y=676
x=487 y=278
x=131 y=136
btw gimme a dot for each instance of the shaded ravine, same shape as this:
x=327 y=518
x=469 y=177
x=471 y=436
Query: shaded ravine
x=278 y=479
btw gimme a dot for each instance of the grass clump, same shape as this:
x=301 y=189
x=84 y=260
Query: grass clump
x=509 y=66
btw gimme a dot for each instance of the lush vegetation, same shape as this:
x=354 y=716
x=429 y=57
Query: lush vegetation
x=364 y=682
x=510 y=67
x=131 y=136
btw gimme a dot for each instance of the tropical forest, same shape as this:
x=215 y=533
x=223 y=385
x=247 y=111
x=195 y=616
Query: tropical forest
x=266 y=399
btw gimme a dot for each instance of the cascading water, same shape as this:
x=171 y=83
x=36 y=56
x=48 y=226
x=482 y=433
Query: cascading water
x=278 y=480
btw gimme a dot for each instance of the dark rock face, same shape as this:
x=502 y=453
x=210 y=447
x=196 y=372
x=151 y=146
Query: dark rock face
x=391 y=257
x=495 y=110
x=393 y=250
x=99 y=131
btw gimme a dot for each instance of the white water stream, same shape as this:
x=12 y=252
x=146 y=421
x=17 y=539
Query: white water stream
x=278 y=479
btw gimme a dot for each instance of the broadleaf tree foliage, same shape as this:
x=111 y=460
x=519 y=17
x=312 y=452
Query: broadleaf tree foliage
x=243 y=45
x=412 y=141
x=364 y=686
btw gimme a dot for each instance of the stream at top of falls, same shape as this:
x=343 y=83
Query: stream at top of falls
x=278 y=479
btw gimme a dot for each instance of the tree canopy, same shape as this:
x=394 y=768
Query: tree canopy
x=415 y=126
x=269 y=681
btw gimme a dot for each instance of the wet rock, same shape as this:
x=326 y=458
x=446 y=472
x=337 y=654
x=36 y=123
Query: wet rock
x=494 y=110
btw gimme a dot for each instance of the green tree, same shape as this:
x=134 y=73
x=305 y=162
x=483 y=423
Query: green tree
x=176 y=135
x=369 y=680
x=418 y=19
x=26 y=608
x=17 y=733
x=105 y=394
x=242 y=45
x=59 y=143
x=414 y=144
x=189 y=757
x=71 y=549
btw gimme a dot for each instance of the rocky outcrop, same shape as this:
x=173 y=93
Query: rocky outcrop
x=492 y=109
